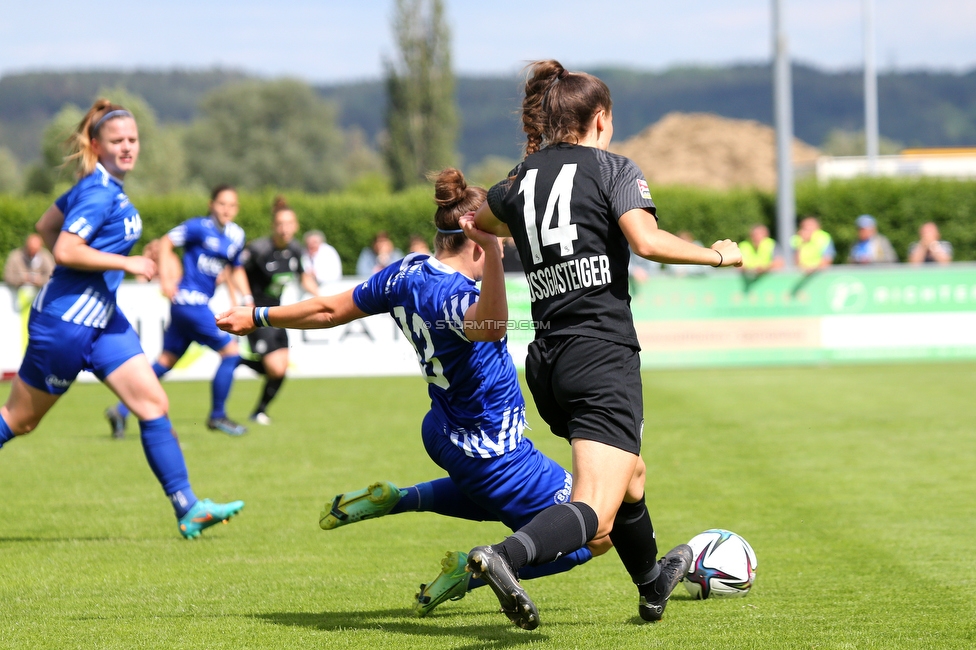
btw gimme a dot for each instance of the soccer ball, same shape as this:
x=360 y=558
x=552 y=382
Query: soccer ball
x=724 y=565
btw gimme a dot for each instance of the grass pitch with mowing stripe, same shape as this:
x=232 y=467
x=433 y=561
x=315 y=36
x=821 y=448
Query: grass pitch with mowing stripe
x=854 y=484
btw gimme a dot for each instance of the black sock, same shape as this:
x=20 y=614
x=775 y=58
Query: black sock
x=256 y=366
x=633 y=537
x=555 y=531
x=271 y=387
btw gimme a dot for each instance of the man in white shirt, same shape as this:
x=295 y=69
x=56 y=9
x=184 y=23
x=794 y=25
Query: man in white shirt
x=321 y=258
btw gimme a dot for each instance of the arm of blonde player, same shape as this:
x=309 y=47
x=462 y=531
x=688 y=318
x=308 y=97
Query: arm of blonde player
x=72 y=251
x=485 y=219
x=309 y=283
x=167 y=267
x=320 y=312
x=49 y=226
x=487 y=319
x=647 y=240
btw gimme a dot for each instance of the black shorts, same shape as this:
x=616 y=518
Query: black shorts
x=588 y=388
x=265 y=340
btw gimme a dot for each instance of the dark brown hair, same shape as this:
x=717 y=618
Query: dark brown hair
x=559 y=105
x=221 y=188
x=278 y=205
x=454 y=198
x=80 y=142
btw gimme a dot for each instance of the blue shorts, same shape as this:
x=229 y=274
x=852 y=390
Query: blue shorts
x=57 y=351
x=189 y=323
x=512 y=488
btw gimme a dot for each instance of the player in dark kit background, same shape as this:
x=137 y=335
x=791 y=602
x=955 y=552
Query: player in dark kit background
x=576 y=211
x=270 y=264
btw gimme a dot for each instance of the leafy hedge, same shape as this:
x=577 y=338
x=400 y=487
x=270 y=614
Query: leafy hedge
x=350 y=220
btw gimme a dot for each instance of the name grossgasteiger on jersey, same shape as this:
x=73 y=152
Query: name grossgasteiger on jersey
x=562 y=207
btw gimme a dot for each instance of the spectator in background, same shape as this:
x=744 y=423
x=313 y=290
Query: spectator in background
x=759 y=252
x=29 y=267
x=321 y=259
x=870 y=247
x=929 y=248
x=813 y=248
x=511 y=260
x=378 y=256
x=418 y=245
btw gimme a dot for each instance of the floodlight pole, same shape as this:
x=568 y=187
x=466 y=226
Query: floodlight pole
x=870 y=89
x=783 y=106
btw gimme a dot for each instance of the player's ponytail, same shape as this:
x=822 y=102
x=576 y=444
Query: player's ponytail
x=559 y=105
x=279 y=205
x=454 y=198
x=79 y=144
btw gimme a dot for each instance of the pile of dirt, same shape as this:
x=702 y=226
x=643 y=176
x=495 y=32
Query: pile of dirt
x=708 y=150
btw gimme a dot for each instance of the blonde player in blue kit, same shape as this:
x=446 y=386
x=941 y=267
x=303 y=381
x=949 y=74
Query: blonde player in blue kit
x=477 y=415
x=75 y=323
x=210 y=244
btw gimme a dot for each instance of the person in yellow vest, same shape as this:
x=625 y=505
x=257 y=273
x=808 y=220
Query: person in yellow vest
x=759 y=252
x=813 y=248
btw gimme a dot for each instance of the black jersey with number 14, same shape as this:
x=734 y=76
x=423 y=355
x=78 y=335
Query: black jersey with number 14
x=562 y=208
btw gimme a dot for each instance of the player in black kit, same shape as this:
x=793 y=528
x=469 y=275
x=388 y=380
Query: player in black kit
x=271 y=263
x=575 y=212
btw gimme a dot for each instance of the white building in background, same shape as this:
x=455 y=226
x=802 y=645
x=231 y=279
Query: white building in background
x=942 y=163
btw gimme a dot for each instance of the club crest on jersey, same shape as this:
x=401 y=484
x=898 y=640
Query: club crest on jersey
x=644 y=190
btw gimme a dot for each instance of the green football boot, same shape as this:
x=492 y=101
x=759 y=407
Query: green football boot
x=204 y=514
x=348 y=508
x=450 y=584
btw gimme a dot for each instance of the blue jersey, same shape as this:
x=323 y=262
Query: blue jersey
x=207 y=249
x=97 y=210
x=473 y=386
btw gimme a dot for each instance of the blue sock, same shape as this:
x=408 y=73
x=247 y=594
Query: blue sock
x=166 y=460
x=160 y=370
x=5 y=432
x=564 y=563
x=443 y=497
x=220 y=387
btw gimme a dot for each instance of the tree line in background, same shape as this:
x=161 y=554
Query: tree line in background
x=281 y=134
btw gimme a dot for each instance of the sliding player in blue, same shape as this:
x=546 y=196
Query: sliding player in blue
x=211 y=245
x=477 y=416
x=75 y=323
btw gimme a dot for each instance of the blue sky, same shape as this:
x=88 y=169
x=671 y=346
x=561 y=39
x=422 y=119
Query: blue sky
x=338 y=40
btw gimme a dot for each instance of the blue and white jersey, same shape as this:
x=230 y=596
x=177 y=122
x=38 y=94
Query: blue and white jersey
x=473 y=386
x=207 y=249
x=97 y=210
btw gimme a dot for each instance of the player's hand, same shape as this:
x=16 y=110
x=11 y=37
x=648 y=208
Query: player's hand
x=237 y=320
x=139 y=265
x=731 y=255
x=487 y=240
x=168 y=287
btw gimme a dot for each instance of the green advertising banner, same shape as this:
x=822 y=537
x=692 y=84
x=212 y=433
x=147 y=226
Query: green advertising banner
x=844 y=313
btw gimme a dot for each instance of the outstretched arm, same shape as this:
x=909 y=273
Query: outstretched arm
x=49 y=226
x=321 y=312
x=647 y=240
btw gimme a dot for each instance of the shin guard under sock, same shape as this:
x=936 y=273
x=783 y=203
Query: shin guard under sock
x=166 y=461
x=556 y=531
x=633 y=537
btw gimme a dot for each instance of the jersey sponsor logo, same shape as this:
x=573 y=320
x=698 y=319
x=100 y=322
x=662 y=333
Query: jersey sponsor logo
x=213 y=243
x=56 y=382
x=644 y=190
x=571 y=275
x=210 y=266
x=133 y=227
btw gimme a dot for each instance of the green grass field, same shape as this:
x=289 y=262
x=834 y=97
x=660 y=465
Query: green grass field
x=854 y=484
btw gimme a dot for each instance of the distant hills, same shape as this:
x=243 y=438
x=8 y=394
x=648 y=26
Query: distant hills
x=916 y=108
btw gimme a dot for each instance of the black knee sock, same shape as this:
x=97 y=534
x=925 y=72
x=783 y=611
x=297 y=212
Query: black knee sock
x=256 y=366
x=271 y=387
x=633 y=537
x=555 y=531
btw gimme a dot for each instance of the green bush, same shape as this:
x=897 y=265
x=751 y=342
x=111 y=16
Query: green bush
x=350 y=219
